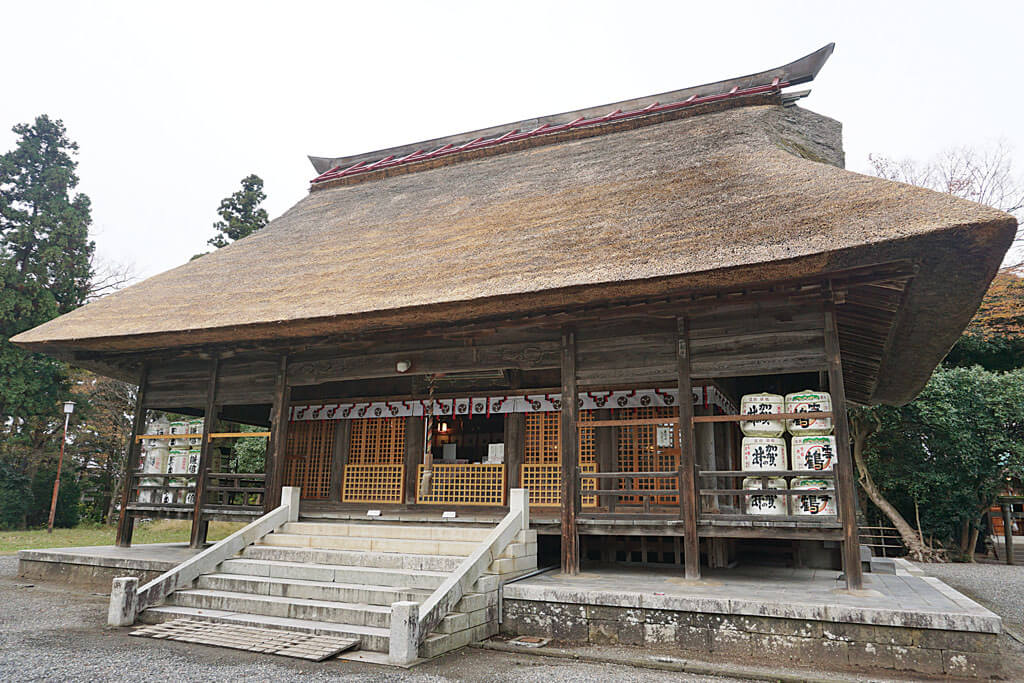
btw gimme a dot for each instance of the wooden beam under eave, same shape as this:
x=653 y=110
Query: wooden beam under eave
x=569 y=448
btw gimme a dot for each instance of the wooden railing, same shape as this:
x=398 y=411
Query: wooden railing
x=163 y=490
x=738 y=496
x=235 y=490
x=624 y=485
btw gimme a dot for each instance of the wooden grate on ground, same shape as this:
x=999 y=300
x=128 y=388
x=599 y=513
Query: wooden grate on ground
x=377 y=441
x=469 y=484
x=373 y=484
x=237 y=637
x=544 y=482
x=308 y=453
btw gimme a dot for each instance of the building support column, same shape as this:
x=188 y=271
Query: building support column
x=570 y=441
x=606 y=451
x=126 y=523
x=339 y=457
x=278 y=437
x=412 y=456
x=845 y=488
x=515 y=448
x=688 y=502
x=199 y=525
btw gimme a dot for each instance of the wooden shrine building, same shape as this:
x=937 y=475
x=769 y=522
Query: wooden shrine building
x=409 y=333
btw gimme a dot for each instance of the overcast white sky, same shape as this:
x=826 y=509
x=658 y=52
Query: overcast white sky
x=173 y=103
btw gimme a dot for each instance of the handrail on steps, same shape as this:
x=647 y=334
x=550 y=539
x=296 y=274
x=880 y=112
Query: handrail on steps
x=127 y=599
x=412 y=622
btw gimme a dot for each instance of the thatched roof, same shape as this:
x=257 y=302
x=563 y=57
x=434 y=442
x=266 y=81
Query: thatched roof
x=730 y=194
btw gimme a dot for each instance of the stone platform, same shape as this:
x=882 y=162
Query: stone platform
x=95 y=567
x=901 y=622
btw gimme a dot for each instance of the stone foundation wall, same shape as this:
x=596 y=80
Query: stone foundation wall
x=94 y=577
x=766 y=640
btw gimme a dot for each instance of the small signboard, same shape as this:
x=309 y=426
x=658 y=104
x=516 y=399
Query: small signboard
x=665 y=436
x=448 y=514
x=373 y=513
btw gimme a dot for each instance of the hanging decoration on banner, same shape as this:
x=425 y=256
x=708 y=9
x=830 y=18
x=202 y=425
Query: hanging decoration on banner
x=498 y=405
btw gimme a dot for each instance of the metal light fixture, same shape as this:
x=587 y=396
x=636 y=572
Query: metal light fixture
x=403 y=366
x=69 y=407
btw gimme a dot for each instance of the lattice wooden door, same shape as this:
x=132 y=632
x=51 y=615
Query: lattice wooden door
x=375 y=472
x=639 y=451
x=541 y=469
x=308 y=454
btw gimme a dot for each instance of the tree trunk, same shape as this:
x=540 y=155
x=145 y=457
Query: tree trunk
x=913 y=544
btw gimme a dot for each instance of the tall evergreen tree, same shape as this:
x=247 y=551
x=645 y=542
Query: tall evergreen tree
x=241 y=214
x=45 y=256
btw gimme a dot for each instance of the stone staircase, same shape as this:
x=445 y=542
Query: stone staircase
x=342 y=578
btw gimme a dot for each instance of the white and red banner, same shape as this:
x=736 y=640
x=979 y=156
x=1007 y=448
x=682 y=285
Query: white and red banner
x=494 y=405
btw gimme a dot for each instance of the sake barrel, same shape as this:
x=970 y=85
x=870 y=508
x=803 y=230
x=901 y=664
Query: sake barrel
x=814 y=453
x=762 y=404
x=763 y=453
x=195 y=430
x=179 y=427
x=821 y=499
x=809 y=402
x=768 y=503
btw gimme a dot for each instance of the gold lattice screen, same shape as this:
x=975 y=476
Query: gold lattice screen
x=377 y=441
x=639 y=450
x=308 y=453
x=543 y=434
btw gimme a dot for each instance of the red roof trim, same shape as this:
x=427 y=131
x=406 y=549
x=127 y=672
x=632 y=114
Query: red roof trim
x=545 y=129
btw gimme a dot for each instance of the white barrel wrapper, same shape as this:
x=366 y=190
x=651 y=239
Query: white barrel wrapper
x=821 y=500
x=764 y=453
x=766 y=504
x=762 y=404
x=809 y=402
x=814 y=453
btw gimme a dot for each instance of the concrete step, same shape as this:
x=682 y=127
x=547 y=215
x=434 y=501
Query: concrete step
x=371 y=638
x=362 y=593
x=424 y=532
x=291 y=608
x=354 y=558
x=329 y=611
x=405 y=546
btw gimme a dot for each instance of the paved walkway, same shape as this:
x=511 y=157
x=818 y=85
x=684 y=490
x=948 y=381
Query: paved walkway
x=896 y=600
x=51 y=633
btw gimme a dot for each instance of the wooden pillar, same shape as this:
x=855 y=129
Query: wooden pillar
x=339 y=457
x=570 y=443
x=1008 y=531
x=413 y=455
x=845 y=489
x=126 y=523
x=515 y=447
x=688 y=455
x=199 y=525
x=606 y=451
x=278 y=437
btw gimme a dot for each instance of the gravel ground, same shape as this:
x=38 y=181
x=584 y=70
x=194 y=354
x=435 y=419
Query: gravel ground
x=999 y=587
x=49 y=633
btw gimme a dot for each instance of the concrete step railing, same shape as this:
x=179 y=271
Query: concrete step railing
x=412 y=622
x=127 y=599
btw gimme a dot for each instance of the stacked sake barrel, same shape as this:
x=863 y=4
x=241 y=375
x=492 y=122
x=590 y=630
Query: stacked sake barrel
x=811 y=448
